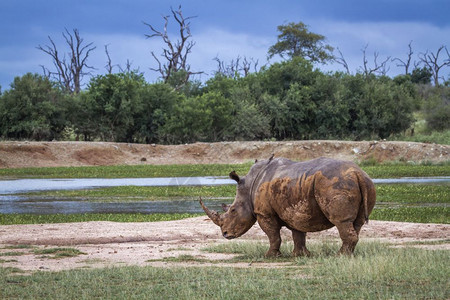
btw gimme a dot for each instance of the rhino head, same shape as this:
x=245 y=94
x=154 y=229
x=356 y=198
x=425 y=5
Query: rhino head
x=238 y=217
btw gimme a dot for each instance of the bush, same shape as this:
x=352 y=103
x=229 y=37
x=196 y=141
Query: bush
x=437 y=110
x=32 y=109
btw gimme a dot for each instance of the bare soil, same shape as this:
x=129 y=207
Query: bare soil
x=108 y=244
x=54 y=154
x=115 y=244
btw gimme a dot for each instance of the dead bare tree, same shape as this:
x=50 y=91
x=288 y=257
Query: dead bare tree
x=109 y=66
x=379 y=68
x=341 y=60
x=70 y=70
x=128 y=67
x=236 y=67
x=406 y=63
x=247 y=65
x=432 y=61
x=174 y=56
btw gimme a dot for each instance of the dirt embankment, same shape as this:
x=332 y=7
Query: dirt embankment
x=52 y=154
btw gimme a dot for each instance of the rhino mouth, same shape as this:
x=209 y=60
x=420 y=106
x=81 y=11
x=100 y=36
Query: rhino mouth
x=228 y=236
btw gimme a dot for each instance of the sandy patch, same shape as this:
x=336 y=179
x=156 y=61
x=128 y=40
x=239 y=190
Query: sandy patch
x=109 y=244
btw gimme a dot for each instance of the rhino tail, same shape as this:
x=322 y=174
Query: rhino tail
x=364 y=195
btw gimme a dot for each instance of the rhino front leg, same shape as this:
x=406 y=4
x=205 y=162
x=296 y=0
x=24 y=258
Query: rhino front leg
x=299 y=238
x=272 y=228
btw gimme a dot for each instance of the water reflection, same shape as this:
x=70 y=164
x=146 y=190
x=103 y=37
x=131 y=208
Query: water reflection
x=36 y=185
x=24 y=205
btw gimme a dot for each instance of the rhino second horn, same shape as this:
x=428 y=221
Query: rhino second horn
x=213 y=215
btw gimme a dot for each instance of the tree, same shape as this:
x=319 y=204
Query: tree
x=407 y=62
x=437 y=109
x=236 y=68
x=114 y=100
x=69 y=71
x=158 y=104
x=296 y=40
x=202 y=118
x=176 y=53
x=378 y=68
x=341 y=60
x=433 y=62
x=381 y=108
x=421 y=75
x=31 y=109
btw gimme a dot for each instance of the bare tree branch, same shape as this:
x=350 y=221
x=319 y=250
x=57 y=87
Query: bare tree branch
x=407 y=63
x=341 y=60
x=175 y=55
x=379 y=68
x=236 y=67
x=128 y=68
x=109 y=66
x=69 y=73
x=431 y=60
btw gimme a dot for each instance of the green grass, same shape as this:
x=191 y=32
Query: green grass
x=413 y=193
x=58 y=253
x=141 y=171
x=419 y=203
x=12 y=253
x=375 y=272
x=406 y=170
x=413 y=214
x=136 y=193
x=437 y=137
x=390 y=170
x=11 y=219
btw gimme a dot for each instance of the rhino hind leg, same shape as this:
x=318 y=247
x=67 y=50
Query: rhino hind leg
x=349 y=237
x=299 y=238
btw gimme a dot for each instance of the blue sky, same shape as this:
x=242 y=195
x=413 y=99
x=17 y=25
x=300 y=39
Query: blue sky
x=226 y=29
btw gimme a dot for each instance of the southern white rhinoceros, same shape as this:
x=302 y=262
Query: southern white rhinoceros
x=303 y=196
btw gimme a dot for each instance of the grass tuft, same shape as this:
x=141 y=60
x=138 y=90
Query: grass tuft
x=57 y=253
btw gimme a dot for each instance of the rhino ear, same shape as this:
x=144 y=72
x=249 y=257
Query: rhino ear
x=256 y=160
x=225 y=207
x=235 y=176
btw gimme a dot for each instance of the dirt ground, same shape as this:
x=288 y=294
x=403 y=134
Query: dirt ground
x=53 y=154
x=107 y=244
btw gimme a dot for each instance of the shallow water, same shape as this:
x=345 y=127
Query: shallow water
x=24 y=205
x=37 y=185
x=19 y=186
x=10 y=202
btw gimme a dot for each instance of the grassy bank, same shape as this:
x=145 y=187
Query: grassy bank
x=375 y=272
x=423 y=203
x=11 y=219
x=427 y=203
x=391 y=170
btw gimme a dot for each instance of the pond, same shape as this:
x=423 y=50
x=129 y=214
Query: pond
x=12 y=202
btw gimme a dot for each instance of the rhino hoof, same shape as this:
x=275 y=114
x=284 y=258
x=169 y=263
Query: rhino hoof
x=273 y=253
x=302 y=252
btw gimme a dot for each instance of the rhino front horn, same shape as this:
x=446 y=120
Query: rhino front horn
x=213 y=215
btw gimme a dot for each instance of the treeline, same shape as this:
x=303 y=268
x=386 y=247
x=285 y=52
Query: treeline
x=287 y=100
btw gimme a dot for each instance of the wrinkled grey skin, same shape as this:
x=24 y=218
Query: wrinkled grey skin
x=302 y=196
